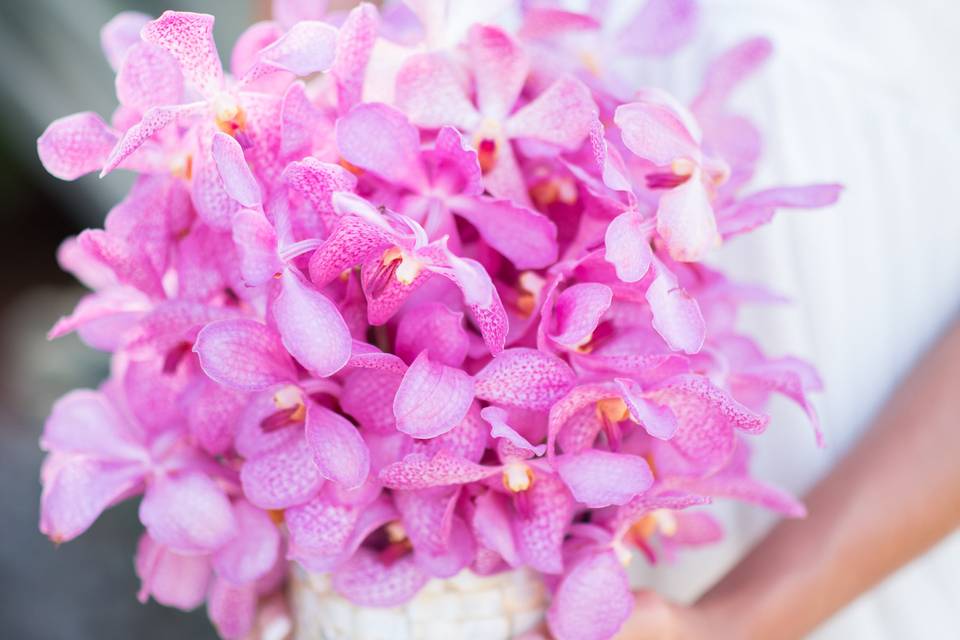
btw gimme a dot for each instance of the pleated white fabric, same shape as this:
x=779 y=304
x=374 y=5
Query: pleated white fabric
x=867 y=93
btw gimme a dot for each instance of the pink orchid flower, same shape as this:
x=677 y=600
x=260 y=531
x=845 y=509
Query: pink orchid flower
x=100 y=457
x=431 y=94
x=396 y=259
x=440 y=181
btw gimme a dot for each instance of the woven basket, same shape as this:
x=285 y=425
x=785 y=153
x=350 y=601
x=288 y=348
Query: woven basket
x=465 y=607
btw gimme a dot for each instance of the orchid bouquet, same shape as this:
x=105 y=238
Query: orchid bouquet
x=395 y=299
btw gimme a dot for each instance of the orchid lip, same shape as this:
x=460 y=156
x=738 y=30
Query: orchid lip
x=395 y=263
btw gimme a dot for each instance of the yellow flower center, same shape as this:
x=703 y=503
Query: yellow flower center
x=229 y=116
x=613 y=410
x=517 y=477
x=405 y=267
x=289 y=398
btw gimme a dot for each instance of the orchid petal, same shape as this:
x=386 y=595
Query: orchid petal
x=256 y=243
x=281 y=477
x=155 y=119
x=627 y=242
x=524 y=378
x=84 y=422
x=148 y=77
x=562 y=115
x=660 y=27
x=243 y=354
x=212 y=415
x=657 y=420
x=492 y=528
x=311 y=328
x=500 y=69
x=593 y=600
x=417 y=471
x=338 y=450
x=706 y=417
x=731 y=68
x=368 y=395
x=253 y=552
x=526 y=237
x=541 y=529
x=300 y=121
x=366 y=581
x=189 y=38
x=238 y=180
x=77 y=489
x=577 y=312
x=188 y=513
x=317 y=181
x=320 y=527
x=435 y=328
x=232 y=608
x=380 y=139
x=676 y=315
x=308 y=47
x=75 y=145
x=432 y=96
x=170 y=578
x=432 y=398
x=601 y=478
x=358 y=35
x=120 y=33
x=654 y=132
x=686 y=221
x=758 y=208
x=497 y=418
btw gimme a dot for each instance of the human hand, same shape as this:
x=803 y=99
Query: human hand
x=656 y=618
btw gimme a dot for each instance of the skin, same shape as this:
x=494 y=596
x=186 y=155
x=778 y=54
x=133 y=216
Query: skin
x=895 y=495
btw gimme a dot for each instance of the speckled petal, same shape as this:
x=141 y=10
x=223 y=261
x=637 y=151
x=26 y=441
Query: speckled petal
x=432 y=398
x=243 y=354
x=524 y=378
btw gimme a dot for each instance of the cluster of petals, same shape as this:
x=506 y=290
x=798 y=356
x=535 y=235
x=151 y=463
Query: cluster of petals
x=393 y=304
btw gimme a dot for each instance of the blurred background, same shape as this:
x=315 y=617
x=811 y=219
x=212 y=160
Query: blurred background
x=51 y=65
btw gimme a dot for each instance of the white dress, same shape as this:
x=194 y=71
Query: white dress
x=867 y=93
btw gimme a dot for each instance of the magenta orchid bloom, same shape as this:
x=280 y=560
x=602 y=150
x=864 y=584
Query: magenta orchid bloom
x=409 y=296
x=444 y=180
x=431 y=94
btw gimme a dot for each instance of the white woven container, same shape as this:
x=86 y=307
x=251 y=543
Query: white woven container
x=465 y=607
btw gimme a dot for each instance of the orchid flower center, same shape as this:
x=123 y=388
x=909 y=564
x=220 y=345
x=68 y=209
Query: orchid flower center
x=228 y=114
x=486 y=142
x=517 y=477
x=395 y=264
x=175 y=356
x=612 y=411
x=554 y=189
x=591 y=62
x=680 y=171
x=398 y=544
x=531 y=285
x=396 y=532
x=291 y=409
x=182 y=166
x=657 y=521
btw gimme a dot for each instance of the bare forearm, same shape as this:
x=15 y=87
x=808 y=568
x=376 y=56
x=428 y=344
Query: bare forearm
x=894 y=496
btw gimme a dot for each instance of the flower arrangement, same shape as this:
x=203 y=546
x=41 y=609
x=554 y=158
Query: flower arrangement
x=394 y=303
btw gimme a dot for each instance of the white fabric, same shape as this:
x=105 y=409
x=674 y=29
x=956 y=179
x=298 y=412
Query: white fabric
x=867 y=93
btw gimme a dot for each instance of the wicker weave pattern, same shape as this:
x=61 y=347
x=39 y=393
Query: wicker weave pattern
x=465 y=607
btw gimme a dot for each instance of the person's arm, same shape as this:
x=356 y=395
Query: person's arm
x=890 y=499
